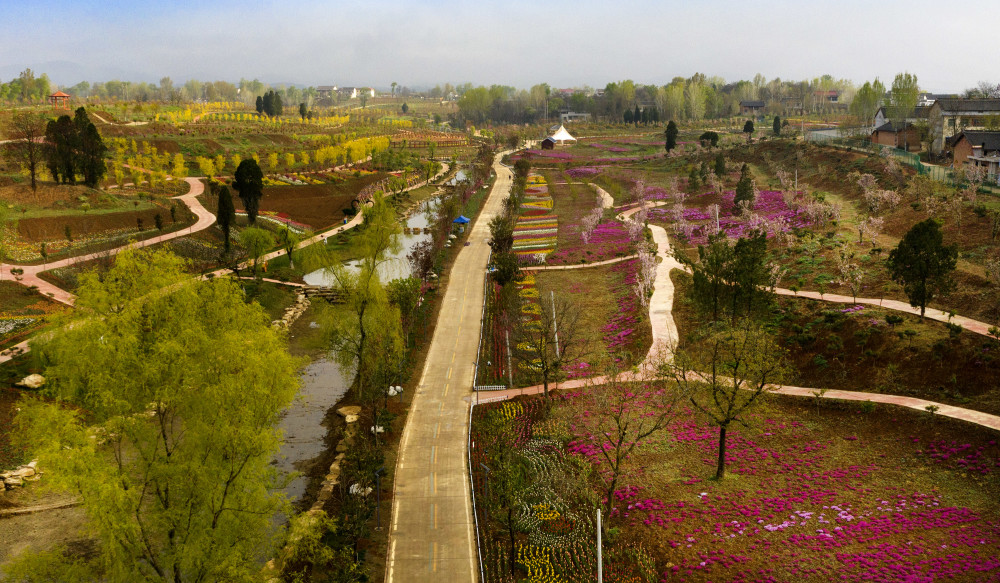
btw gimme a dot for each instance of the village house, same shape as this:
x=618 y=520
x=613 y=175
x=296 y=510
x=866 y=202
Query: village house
x=918 y=115
x=903 y=135
x=573 y=116
x=751 y=107
x=355 y=92
x=325 y=91
x=949 y=117
x=978 y=149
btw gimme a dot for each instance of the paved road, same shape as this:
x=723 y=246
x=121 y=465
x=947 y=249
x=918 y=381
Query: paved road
x=432 y=535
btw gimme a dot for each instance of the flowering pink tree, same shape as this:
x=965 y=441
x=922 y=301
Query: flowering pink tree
x=850 y=274
x=590 y=222
x=871 y=227
x=646 y=275
x=878 y=200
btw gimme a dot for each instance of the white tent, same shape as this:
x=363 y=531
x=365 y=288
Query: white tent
x=562 y=136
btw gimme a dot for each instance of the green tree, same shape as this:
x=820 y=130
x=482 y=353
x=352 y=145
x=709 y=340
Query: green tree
x=249 y=183
x=183 y=391
x=508 y=479
x=405 y=108
x=257 y=242
x=867 y=101
x=720 y=165
x=90 y=156
x=922 y=263
x=744 y=188
x=289 y=240
x=726 y=375
x=225 y=215
x=903 y=98
x=776 y=126
x=711 y=137
x=368 y=341
x=748 y=129
x=303 y=110
x=260 y=104
x=671 y=135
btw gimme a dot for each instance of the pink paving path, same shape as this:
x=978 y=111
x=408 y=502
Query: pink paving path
x=664 y=330
x=30 y=277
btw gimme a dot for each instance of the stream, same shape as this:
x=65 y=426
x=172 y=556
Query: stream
x=323 y=385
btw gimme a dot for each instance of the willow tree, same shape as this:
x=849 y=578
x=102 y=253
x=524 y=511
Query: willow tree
x=163 y=396
x=367 y=341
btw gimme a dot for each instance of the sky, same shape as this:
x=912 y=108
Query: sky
x=950 y=46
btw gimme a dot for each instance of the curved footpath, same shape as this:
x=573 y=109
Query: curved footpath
x=30 y=277
x=432 y=535
x=665 y=335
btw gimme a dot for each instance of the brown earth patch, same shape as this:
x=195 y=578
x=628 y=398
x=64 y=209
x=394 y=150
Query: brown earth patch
x=48 y=228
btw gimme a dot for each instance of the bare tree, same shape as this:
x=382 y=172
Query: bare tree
x=634 y=406
x=26 y=131
x=726 y=375
x=548 y=337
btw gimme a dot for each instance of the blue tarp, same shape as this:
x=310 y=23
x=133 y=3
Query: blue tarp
x=461 y=220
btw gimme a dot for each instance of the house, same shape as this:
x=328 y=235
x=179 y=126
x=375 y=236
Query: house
x=325 y=91
x=355 y=92
x=919 y=114
x=948 y=117
x=982 y=149
x=548 y=143
x=59 y=99
x=573 y=116
x=928 y=99
x=832 y=96
x=903 y=135
x=751 y=107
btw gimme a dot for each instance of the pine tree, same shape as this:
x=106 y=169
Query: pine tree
x=249 y=183
x=777 y=126
x=671 y=135
x=720 y=165
x=260 y=104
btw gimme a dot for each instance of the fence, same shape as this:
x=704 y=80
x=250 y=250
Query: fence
x=862 y=144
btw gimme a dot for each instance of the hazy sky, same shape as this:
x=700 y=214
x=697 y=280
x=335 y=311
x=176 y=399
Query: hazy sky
x=949 y=45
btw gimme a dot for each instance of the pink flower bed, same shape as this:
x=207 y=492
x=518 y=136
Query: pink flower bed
x=609 y=240
x=808 y=516
x=770 y=206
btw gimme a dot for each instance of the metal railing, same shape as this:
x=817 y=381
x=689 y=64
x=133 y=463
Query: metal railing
x=472 y=482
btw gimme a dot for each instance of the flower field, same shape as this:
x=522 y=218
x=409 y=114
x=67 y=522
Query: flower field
x=536 y=227
x=770 y=213
x=834 y=494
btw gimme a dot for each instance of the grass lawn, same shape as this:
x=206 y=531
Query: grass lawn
x=609 y=313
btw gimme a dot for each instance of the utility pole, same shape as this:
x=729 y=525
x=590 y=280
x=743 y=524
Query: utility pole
x=510 y=362
x=600 y=560
x=555 y=325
